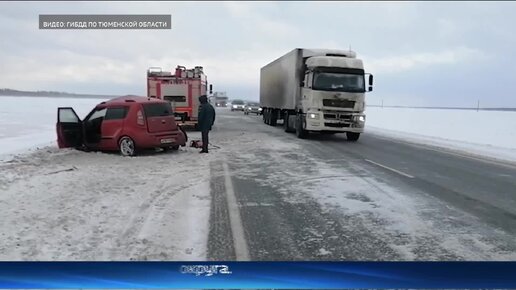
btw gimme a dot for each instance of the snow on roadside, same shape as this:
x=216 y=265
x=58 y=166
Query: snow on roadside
x=485 y=133
x=461 y=147
x=72 y=205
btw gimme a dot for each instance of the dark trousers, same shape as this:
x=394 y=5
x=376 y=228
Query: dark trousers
x=205 y=140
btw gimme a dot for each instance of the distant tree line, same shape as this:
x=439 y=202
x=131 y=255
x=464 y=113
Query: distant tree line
x=17 y=93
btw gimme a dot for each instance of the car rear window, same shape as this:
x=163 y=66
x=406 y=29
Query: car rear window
x=157 y=109
x=116 y=113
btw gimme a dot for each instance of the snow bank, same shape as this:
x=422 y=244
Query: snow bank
x=29 y=122
x=489 y=133
x=64 y=204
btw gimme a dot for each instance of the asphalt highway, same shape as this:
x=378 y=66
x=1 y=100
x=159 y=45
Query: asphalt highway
x=276 y=197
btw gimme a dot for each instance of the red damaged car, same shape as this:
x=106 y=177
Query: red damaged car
x=126 y=124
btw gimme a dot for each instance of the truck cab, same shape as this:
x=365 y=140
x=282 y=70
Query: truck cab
x=333 y=93
x=315 y=90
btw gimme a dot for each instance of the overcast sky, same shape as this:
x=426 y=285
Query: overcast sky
x=421 y=53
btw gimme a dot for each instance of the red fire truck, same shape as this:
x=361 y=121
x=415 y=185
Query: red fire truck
x=181 y=87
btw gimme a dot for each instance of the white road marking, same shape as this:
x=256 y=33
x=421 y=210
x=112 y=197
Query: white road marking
x=389 y=168
x=237 y=229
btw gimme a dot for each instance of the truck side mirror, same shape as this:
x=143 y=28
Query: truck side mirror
x=370 y=89
x=211 y=89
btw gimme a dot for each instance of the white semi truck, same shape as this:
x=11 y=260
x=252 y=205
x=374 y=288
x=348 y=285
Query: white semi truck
x=316 y=90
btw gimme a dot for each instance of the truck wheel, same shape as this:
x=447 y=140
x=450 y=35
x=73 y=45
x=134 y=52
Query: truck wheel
x=352 y=136
x=289 y=127
x=266 y=116
x=273 y=118
x=300 y=132
x=285 y=122
x=126 y=146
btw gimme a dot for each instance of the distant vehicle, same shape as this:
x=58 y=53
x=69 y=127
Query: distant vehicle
x=182 y=88
x=220 y=99
x=237 y=105
x=125 y=124
x=252 y=107
x=315 y=90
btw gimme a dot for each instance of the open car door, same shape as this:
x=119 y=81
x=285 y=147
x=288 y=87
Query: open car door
x=69 y=128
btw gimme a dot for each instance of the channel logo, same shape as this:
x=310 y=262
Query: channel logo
x=205 y=270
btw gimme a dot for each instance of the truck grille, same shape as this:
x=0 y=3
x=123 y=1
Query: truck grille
x=338 y=103
x=341 y=117
x=336 y=125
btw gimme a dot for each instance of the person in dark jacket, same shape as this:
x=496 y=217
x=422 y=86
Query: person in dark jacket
x=205 y=120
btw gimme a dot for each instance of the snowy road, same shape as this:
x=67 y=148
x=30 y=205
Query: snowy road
x=377 y=199
x=261 y=194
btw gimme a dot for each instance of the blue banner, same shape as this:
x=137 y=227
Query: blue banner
x=257 y=275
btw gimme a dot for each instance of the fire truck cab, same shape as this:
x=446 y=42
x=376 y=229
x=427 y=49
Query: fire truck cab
x=181 y=88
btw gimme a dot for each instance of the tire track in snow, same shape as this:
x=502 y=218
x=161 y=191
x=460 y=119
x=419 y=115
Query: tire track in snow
x=220 y=239
x=148 y=213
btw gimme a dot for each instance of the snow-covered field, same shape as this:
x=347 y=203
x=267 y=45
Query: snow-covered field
x=29 y=122
x=488 y=133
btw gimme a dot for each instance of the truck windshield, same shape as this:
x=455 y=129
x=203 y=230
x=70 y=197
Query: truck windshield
x=352 y=83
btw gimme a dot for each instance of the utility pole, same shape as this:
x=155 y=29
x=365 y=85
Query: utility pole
x=478 y=105
x=382 y=103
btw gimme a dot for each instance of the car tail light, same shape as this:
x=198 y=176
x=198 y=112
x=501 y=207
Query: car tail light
x=139 y=118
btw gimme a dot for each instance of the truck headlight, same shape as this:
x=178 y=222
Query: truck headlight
x=234 y=106
x=361 y=119
x=313 y=116
x=259 y=109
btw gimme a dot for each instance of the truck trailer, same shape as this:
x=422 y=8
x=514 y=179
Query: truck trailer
x=181 y=88
x=316 y=90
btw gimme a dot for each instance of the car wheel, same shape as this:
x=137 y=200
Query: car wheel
x=127 y=146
